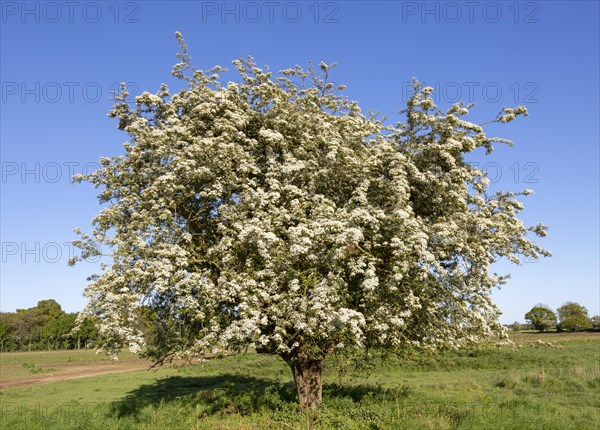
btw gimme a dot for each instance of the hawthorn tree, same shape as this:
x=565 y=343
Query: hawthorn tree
x=270 y=212
x=541 y=317
x=573 y=316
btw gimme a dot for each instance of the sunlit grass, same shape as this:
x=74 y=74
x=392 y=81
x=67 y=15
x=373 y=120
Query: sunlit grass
x=527 y=388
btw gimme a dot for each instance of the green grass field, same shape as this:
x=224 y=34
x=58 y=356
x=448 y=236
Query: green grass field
x=543 y=387
x=15 y=366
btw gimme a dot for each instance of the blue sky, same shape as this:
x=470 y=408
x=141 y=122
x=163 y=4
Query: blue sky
x=60 y=60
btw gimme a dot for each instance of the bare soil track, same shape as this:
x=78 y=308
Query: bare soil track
x=75 y=371
x=53 y=368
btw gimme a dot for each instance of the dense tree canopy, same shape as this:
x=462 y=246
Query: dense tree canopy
x=44 y=326
x=541 y=317
x=271 y=212
x=573 y=316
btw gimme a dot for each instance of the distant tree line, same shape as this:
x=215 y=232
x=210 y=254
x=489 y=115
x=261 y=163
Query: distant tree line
x=45 y=327
x=570 y=316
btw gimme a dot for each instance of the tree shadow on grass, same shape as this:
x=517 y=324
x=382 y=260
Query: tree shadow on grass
x=212 y=394
x=234 y=394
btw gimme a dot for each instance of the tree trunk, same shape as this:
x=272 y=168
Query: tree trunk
x=307 y=376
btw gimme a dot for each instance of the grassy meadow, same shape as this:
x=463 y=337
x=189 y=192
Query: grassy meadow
x=19 y=366
x=535 y=386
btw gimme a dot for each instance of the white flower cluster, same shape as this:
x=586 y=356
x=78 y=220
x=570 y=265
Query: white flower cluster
x=272 y=213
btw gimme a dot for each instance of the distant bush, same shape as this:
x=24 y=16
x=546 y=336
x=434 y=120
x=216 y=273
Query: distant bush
x=541 y=317
x=573 y=317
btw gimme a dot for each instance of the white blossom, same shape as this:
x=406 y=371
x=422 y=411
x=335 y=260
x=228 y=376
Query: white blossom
x=273 y=213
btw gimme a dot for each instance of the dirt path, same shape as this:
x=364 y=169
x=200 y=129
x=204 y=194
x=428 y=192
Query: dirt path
x=74 y=372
